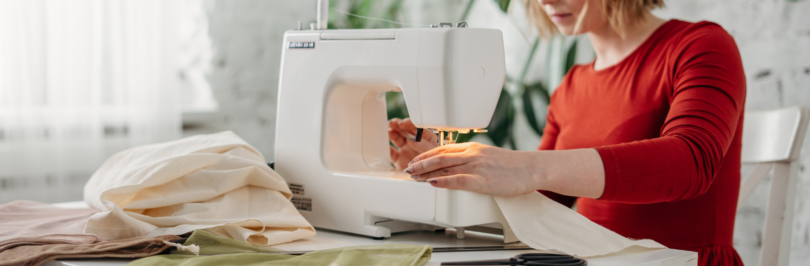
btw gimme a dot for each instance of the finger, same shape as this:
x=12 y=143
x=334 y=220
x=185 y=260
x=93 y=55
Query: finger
x=406 y=133
x=428 y=135
x=397 y=138
x=453 y=148
x=448 y=171
x=408 y=129
x=399 y=158
x=394 y=123
x=405 y=155
x=393 y=133
x=435 y=163
x=427 y=142
x=407 y=126
x=459 y=182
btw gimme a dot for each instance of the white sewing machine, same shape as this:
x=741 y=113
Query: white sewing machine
x=331 y=132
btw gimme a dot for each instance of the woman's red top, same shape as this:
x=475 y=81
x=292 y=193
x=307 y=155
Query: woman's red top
x=667 y=122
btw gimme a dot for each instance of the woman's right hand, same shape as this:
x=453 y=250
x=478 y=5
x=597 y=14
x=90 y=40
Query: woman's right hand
x=402 y=133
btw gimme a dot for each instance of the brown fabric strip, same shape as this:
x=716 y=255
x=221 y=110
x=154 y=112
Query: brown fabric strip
x=33 y=251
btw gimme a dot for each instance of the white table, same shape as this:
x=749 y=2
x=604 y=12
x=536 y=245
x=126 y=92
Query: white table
x=330 y=239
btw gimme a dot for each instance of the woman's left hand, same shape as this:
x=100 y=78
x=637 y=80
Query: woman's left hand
x=478 y=168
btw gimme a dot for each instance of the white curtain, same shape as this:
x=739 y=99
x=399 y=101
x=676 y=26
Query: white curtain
x=79 y=81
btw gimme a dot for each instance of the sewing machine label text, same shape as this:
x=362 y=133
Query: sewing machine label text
x=297 y=189
x=301 y=45
x=302 y=203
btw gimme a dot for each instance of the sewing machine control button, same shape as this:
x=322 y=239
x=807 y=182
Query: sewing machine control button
x=461 y=24
x=481 y=72
x=442 y=24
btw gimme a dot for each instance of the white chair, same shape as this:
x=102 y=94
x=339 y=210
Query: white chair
x=772 y=140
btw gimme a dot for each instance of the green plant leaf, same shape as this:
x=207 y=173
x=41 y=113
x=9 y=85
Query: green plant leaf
x=528 y=105
x=503 y=4
x=528 y=109
x=339 y=20
x=395 y=105
x=467 y=10
x=571 y=56
x=529 y=60
x=543 y=92
x=500 y=127
x=391 y=14
x=511 y=140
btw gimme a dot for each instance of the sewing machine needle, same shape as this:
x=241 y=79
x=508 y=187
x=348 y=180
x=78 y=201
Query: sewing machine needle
x=442 y=140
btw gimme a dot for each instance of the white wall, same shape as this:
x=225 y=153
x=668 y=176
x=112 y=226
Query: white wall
x=246 y=38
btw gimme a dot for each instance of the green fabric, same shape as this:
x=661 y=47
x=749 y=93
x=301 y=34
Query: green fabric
x=210 y=243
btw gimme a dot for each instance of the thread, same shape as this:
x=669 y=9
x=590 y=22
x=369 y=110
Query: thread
x=190 y=248
x=380 y=19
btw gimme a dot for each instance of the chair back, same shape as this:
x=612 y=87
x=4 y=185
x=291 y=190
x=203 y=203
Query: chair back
x=772 y=140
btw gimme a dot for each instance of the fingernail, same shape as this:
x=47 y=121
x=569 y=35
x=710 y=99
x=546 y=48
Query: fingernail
x=415 y=177
x=433 y=181
x=408 y=170
x=409 y=163
x=412 y=137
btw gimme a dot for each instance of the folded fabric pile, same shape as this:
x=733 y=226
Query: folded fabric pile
x=143 y=198
x=216 y=182
x=33 y=233
x=217 y=250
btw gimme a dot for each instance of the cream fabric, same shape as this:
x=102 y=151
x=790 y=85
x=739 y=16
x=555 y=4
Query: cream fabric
x=215 y=181
x=544 y=224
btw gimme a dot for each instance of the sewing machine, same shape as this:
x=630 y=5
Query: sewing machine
x=331 y=133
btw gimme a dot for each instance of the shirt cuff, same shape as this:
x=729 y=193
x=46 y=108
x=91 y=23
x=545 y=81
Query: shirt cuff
x=609 y=161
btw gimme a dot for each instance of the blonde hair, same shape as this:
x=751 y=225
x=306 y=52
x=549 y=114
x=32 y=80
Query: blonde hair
x=620 y=13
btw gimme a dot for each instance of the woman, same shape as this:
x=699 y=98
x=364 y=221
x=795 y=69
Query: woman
x=646 y=138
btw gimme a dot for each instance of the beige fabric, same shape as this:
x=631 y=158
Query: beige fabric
x=544 y=224
x=23 y=218
x=38 y=250
x=212 y=181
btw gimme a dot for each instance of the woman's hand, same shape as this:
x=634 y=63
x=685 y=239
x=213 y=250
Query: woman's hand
x=402 y=133
x=478 y=168
x=500 y=172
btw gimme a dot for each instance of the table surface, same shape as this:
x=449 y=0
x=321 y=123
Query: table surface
x=326 y=239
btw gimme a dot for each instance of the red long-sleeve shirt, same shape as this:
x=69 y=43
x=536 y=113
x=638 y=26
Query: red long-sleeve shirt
x=667 y=123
